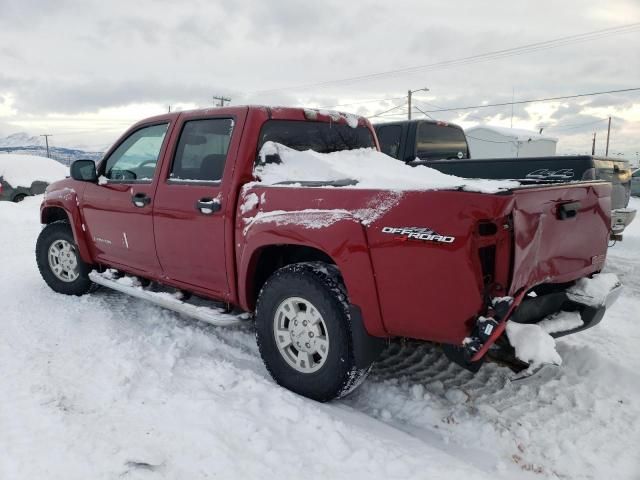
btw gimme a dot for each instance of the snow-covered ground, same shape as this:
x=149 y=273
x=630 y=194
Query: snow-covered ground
x=104 y=387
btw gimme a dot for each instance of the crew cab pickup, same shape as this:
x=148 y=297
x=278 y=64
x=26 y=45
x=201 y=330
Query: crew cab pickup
x=444 y=146
x=328 y=270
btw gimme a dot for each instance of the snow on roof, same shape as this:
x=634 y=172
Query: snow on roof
x=23 y=170
x=518 y=134
x=368 y=168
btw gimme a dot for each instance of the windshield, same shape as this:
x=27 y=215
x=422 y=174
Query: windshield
x=436 y=141
x=321 y=137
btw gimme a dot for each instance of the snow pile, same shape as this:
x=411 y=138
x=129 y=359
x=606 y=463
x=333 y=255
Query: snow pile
x=532 y=344
x=561 y=322
x=369 y=168
x=23 y=170
x=593 y=291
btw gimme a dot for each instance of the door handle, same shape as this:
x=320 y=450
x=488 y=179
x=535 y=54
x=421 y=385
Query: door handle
x=140 y=199
x=208 y=206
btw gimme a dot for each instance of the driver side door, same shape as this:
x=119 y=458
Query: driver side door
x=118 y=210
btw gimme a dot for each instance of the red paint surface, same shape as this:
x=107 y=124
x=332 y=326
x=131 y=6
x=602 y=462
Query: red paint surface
x=404 y=287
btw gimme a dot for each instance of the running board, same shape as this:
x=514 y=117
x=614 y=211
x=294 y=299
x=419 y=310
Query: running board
x=166 y=300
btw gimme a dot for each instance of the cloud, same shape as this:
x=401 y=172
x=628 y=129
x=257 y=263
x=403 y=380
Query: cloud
x=71 y=57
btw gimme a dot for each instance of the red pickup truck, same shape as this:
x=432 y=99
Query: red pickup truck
x=329 y=270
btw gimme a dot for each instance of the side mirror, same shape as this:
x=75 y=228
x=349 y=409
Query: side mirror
x=84 y=171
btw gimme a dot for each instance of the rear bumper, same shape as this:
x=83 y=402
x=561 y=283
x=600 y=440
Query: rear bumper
x=588 y=297
x=591 y=312
x=620 y=218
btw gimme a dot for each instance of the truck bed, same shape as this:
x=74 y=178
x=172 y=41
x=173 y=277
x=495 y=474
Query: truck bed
x=544 y=170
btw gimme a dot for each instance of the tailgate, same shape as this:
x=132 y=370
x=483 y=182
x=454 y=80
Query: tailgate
x=560 y=232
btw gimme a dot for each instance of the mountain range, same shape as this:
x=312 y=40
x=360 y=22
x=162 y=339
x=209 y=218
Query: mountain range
x=22 y=142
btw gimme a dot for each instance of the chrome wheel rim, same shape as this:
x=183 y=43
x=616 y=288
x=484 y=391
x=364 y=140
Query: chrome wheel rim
x=63 y=261
x=301 y=335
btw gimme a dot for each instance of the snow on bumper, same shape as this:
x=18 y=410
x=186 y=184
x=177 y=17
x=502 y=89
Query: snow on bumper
x=602 y=290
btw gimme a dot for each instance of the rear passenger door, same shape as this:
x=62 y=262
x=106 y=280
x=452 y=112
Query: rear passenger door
x=189 y=215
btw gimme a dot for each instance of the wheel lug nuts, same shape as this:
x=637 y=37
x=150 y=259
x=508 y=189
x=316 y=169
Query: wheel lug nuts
x=307 y=345
x=310 y=334
x=304 y=323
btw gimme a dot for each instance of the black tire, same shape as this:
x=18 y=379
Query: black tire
x=61 y=231
x=20 y=197
x=320 y=284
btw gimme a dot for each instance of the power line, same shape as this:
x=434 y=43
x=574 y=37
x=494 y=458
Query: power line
x=424 y=113
x=489 y=141
x=521 y=102
x=363 y=101
x=496 y=54
x=385 y=111
x=570 y=126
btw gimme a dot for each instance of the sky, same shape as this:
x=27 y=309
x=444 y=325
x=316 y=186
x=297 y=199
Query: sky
x=85 y=70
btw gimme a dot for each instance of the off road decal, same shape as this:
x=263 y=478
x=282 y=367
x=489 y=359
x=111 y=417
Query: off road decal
x=424 y=234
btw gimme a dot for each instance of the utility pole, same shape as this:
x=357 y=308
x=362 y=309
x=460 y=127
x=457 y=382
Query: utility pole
x=221 y=100
x=169 y=109
x=606 y=152
x=409 y=93
x=46 y=140
x=593 y=144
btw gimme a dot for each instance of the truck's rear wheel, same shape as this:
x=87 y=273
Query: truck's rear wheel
x=304 y=332
x=59 y=261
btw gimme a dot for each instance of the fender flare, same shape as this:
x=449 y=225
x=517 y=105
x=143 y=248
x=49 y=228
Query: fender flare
x=67 y=201
x=344 y=241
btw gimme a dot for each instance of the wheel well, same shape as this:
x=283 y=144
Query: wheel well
x=53 y=214
x=271 y=258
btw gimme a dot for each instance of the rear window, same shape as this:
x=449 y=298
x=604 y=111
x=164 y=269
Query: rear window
x=321 y=137
x=437 y=141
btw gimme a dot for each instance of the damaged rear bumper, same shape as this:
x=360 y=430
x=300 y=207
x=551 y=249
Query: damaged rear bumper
x=590 y=297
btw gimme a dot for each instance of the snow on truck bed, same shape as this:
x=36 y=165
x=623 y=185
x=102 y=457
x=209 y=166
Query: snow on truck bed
x=23 y=170
x=368 y=167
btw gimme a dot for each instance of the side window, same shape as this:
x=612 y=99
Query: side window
x=636 y=174
x=136 y=158
x=389 y=138
x=202 y=150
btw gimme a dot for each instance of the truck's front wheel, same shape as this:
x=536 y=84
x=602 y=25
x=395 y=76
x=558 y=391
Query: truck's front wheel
x=59 y=261
x=304 y=332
